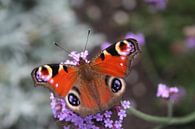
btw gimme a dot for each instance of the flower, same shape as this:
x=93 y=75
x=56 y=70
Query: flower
x=139 y=37
x=108 y=123
x=98 y=117
x=190 y=42
x=122 y=114
x=166 y=92
x=62 y=113
x=76 y=57
x=108 y=114
x=117 y=124
x=105 y=119
x=105 y=45
x=66 y=127
x=157 y=4
x=125 y=104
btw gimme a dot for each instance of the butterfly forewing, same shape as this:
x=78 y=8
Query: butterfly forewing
x=57 y=77
x=116 y=59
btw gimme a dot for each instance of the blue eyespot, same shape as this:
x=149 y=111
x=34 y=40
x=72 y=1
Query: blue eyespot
x=73 y=99
x=116 y=85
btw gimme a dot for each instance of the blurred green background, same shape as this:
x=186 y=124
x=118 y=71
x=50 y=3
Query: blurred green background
x=28 y=29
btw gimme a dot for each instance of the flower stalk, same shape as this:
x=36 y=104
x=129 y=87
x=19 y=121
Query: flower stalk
x=170 y=105
x=163 y=120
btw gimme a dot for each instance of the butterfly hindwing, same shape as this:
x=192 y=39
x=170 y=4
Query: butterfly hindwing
x=116 y=59
x=57 y=77
x=95 y=96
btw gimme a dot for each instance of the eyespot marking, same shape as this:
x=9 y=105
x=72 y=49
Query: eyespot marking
x=123 y=48
x=132 y=43
x=117 y=85
x=43 y=73
x=73 y=99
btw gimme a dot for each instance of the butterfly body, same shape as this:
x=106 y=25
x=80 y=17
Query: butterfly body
x=85 y=71
x=90 y=87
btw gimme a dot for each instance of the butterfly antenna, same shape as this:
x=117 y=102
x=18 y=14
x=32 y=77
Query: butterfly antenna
x=56 y=44
x=89 y=31
x=67 y=51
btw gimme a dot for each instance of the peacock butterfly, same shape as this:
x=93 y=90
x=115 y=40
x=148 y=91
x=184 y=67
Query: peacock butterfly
x=94 y=86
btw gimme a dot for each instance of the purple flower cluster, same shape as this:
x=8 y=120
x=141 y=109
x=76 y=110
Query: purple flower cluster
x=96 y=121
x=166 y=92
x=76 y=57
x=157 y=4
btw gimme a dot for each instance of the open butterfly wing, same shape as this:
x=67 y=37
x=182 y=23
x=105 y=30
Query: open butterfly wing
x=95 y=96
x=116 y=59
x=57 y=77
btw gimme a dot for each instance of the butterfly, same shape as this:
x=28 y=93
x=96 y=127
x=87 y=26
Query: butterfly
x=94 y=86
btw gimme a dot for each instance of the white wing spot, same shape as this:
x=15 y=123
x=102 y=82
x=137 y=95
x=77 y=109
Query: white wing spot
x=121 y=64
x=123 y=57
x=56 y=85
x=51 y=81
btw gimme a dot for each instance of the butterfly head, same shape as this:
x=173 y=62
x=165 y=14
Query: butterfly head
x=82 y=61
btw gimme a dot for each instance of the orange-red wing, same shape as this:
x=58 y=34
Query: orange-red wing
x=57 y=77
x=115 y=60
x=94 y=96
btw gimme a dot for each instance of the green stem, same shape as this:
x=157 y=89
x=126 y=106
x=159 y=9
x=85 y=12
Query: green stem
x=163 y=120
x=170 y=108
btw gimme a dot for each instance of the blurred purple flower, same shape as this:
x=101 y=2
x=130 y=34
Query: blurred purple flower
x=108 y=123
x=190 y=42
x=62 y=113
x=179 y=96
x=122 y=114
x=104 y=119
x=139 y=37
x=66 y=127
x=157 y=4
x=105 y=45
x=98 y=117
x=163 y=91
x=108 y=114
x=173 y=93
x=125 y=104
x=118 y=124
x=76 y=57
